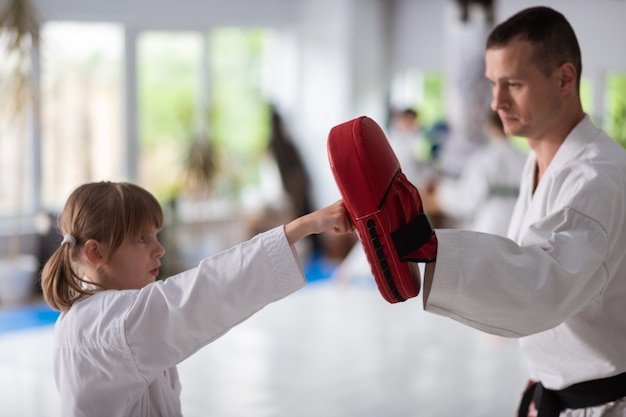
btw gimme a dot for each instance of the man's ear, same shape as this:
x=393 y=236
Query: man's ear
x=93 y=252
x=567 y=77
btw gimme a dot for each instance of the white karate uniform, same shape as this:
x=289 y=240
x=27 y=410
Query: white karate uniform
x=116 y=351
x=559 y=282
x=483 y=197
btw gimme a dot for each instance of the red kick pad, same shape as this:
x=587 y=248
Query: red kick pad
x=384 y=206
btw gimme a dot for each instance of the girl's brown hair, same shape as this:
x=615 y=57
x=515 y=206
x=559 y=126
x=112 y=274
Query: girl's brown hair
x=110 y=213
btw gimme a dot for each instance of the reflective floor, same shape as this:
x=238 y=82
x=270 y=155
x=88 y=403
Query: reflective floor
x=334 y=349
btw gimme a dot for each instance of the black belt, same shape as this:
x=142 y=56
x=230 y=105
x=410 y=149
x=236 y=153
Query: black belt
x=550 y=403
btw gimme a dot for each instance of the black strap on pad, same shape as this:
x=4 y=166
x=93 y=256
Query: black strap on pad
x=412 y=235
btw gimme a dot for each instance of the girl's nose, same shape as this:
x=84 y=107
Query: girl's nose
x=160 y=250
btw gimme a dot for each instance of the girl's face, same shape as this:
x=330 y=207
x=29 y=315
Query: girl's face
x=135 y=264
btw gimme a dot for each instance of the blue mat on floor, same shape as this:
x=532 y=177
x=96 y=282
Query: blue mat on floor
x=27 y=316
x=315 y=269
x=318 y=268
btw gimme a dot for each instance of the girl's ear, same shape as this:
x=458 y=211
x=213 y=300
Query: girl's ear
x=93 y=252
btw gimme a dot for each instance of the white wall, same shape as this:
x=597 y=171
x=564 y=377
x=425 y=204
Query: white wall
x=343 y=52
x=599 y=25
x=343 y=71
x=418 y=34
x=417 y=25
x=338 y=56
x=323 y=85
x=179 y=14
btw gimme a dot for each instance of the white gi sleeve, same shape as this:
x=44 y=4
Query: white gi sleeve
x=172 y=319
x=493 y=284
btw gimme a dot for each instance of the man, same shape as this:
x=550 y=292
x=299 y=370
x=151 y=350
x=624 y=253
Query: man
x=411 y=146
x=558 y=282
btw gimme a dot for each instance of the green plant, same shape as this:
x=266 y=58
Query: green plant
x=616 y=123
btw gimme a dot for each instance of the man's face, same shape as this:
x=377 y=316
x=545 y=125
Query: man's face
x=527 y=100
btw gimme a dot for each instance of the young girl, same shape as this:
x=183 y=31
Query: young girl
x=121 y=332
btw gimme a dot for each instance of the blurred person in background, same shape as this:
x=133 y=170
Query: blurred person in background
x=411 y=146
x=482 y=198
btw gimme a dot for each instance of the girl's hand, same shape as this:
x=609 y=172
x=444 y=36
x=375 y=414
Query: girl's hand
x=334 y=217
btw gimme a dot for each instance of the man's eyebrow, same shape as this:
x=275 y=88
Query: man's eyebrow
x=506 y=78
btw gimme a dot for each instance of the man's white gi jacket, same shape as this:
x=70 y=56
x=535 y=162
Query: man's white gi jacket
x=559 y=282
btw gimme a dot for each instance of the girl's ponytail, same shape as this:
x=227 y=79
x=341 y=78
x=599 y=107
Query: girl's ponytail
x=60 y=283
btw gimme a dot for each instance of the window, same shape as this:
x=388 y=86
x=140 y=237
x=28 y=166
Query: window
x=16 y=146
x=200 y=94
x=81 y=107
x=169 y=66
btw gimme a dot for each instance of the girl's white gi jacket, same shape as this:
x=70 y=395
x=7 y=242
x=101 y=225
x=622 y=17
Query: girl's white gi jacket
x=559 y=282
x=116 y=351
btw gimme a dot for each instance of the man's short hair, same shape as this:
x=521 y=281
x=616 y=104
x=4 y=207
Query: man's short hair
x=552 y=36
